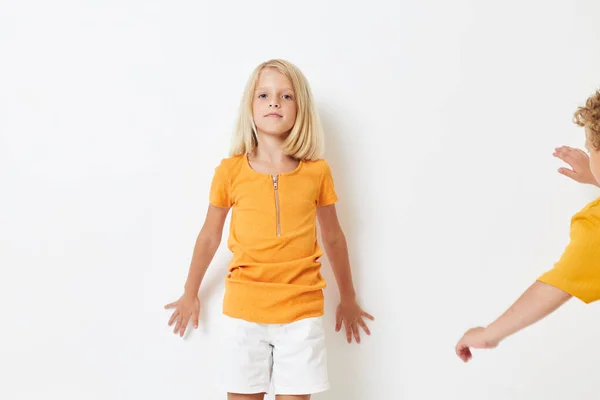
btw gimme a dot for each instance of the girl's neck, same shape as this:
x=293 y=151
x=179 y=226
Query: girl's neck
x=270 y=149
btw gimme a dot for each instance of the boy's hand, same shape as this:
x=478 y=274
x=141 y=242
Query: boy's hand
x=477 y=338
x=351 y=316
x=579 y=162
x=187 y=306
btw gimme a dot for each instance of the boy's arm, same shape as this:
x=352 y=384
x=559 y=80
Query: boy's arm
x=349 y=313
x=536 y=303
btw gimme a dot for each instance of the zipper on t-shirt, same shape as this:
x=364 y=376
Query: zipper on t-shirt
x=276 y=189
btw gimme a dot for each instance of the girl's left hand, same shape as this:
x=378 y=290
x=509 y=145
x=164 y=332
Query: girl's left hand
x=351 y=315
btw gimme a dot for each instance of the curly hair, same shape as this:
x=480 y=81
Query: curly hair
x=588 y=116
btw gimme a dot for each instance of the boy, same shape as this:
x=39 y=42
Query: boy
x=577 y=273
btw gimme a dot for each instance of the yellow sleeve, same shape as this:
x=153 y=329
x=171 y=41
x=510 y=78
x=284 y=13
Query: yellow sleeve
x=327 y=194
x=578 y=270
x=220 y=194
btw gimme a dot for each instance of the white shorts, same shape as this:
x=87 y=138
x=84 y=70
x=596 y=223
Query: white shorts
x=289 y=358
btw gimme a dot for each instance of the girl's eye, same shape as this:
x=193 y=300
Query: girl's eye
x=288 y=97
x=262 y=96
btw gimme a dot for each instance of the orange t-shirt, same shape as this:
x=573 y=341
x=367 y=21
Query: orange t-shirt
x=577 y=272
x=274 y=275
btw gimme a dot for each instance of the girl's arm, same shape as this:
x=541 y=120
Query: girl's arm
x=207 y=243
x=537 y=302
x=348 y=312
x=336 y=248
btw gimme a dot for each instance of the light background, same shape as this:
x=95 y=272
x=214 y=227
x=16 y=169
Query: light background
x=441 y=118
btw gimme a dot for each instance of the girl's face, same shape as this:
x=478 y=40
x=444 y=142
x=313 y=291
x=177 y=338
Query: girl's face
x=594 y=155
x=274 y=105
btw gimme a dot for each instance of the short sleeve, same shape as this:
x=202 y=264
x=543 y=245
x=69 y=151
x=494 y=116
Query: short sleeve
x=327 y=194
x=578 y=270
x=220 y=194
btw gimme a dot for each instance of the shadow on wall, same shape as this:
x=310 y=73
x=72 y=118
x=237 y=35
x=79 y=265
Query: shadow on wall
x=345 y=360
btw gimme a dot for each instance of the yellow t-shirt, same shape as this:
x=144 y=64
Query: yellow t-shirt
x=274 y=275
x=578 y=270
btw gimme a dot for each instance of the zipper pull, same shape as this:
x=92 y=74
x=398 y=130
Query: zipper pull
x=275 y=184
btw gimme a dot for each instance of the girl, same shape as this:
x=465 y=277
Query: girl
x=278 y=187
x=577 y=273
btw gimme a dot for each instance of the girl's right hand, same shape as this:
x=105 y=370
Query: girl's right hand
x=187 y=306
x=579 y=162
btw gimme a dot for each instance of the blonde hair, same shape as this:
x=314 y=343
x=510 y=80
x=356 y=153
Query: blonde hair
x=305 y=141
x=588 y=116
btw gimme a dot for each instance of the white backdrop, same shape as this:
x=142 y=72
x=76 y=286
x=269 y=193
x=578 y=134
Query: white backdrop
x=440 y=119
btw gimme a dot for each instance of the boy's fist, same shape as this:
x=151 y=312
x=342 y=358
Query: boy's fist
x=477 y=338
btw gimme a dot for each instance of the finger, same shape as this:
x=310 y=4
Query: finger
x=463 y=352
x=348 y=332
x=565 y=148
x=559 y=149
x=568 y=173
x=184 y=324
x=467 y=355
x=356 y=333
x=338 y=321
x=366 y=314
x=362 y=324
x=171 y=305
x=195 y=318
x=567 y=156
x=177 y=325
x=458 y=351
x=583 y=153
x=173 y=317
